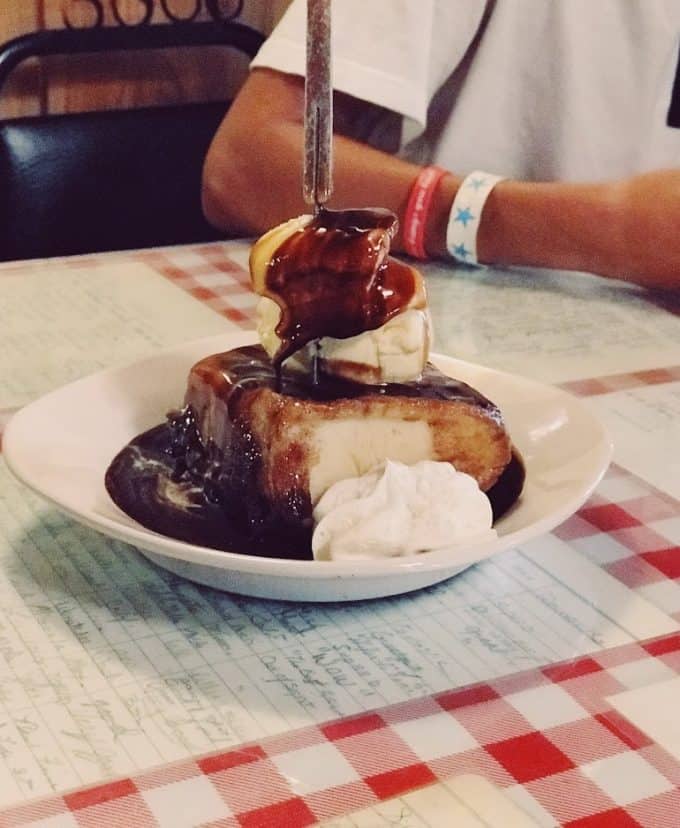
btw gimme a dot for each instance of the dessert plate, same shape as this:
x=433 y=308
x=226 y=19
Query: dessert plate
x=61 y=445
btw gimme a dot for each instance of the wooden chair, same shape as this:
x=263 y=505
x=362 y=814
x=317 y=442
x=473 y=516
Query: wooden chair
x=108 y=180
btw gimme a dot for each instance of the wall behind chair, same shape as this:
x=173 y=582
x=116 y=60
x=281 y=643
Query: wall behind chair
x=101 y=82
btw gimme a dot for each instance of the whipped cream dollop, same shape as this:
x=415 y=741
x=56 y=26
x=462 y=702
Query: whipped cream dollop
x=397 y=510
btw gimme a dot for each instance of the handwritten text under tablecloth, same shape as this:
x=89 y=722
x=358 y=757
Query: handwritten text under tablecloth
x=644 y=424
x=59 y=324
x=551 y=326
x=465 y=801
x=110 y=665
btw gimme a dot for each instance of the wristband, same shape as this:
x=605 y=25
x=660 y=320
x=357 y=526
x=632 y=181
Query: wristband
x=417 y=208
x=466 y=214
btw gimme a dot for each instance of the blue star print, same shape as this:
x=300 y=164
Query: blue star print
x=476 y=183
x=464 y=216
x=460 y=251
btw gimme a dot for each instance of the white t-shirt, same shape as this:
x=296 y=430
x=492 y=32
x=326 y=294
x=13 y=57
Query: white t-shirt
x=535 y=89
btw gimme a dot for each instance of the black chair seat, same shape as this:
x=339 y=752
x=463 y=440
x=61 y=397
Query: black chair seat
x=109 y=180
x=104 y=180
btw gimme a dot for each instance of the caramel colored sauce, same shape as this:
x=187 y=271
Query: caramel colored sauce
x=149 y=482
x=143 y=481
x=334 y=278
x=248 y=367
x=168 y=480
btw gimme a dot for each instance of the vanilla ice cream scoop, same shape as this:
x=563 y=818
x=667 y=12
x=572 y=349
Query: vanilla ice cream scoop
x=395 y=352
x=331 y=292
x=397 y=510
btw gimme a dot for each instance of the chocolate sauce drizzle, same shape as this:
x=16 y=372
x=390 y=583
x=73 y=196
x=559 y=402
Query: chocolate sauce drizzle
x=334 y=278
x=170 y=481
x=233 y=371
x=150 y=483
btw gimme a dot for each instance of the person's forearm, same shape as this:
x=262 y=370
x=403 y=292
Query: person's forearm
x=259 y=185
x=253 y=181
x=626 y=229
x=553 y=225
x=252 y=178
x=550 y=225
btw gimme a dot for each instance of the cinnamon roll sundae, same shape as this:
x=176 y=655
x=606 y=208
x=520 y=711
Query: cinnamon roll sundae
x=279 y=446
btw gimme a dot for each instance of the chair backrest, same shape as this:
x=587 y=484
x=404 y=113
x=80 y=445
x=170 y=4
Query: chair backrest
x=113 y=179
x=674 y=108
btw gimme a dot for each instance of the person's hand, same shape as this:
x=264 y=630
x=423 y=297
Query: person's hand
x=645 y=233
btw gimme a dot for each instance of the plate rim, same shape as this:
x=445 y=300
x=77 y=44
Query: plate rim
x=427 y=562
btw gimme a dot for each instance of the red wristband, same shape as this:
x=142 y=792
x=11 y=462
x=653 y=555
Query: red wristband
x=417 y=208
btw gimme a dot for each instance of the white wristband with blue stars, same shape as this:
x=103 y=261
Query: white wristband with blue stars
x=466 y=213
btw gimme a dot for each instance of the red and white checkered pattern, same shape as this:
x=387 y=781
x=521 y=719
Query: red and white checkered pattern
x=210 y=274
x=215 y=274
x=622 y=382
x=548 y=737
x=632 y=531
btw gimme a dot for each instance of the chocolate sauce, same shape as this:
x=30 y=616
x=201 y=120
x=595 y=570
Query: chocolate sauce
x=172 y=482
x=220 y=392
x=143 y=481
x=234 y=371
x=334 y=278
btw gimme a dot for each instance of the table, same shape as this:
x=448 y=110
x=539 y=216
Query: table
x=535 y=689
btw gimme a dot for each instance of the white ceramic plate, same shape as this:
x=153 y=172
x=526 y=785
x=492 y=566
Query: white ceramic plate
x=61 y=445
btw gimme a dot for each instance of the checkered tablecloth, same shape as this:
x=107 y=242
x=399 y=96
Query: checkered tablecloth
x=211 y=274
x=549 y=738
